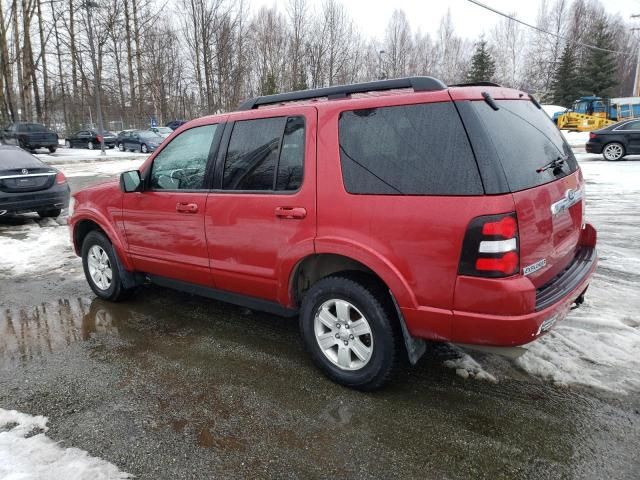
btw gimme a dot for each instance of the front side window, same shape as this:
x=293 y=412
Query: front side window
x=265 y=154
x=182 y=163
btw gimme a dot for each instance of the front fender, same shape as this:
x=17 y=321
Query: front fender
x=114 y=233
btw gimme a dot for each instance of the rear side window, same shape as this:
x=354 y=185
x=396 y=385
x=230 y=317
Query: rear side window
x=526 y=140
x=265 y=154
x=407 y=150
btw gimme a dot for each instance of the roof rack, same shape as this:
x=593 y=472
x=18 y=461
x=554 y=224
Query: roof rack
x=419 y=84
x=477 y=84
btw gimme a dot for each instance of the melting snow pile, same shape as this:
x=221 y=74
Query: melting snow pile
x=27 y=453
x=465 y=366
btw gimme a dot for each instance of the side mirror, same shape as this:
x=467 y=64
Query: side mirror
x=130 y=181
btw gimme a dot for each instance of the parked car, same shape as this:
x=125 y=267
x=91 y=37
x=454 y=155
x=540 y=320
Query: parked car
x=164 y=132
x=120 y=138
x=90 y=139
x=175 y=124
x=616 y=141
x=436 y=213
x=29 y=185
x=144 y=141
x=29 y=136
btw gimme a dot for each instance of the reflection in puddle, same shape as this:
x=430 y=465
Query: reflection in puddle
x=30 y=333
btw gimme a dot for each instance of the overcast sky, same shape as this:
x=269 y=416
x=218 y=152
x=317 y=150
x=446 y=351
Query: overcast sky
x=371 y=16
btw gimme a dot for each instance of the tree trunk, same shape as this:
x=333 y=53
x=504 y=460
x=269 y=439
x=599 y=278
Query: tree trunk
x=45 y=74
x=5 y=71
x=136 y=36
x=18 y=59
x=67 y=126
x=127 y=26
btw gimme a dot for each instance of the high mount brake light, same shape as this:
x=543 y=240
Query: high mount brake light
x=491 y=247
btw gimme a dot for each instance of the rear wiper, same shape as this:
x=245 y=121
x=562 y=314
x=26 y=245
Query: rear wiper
x=555 y=164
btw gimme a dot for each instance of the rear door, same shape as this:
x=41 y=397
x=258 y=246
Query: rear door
x=549 y=201
x=264 y=206
x=631 y=132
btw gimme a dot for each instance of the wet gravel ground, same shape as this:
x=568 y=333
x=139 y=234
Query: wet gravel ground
x=169 y=385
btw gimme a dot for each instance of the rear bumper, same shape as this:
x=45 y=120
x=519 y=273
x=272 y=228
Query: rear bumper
x=593 y=147
x=520 y=312
x=55 y=197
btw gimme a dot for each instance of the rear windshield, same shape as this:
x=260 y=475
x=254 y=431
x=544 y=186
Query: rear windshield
x=407 y=150
x=526 y=140
x=32 y=127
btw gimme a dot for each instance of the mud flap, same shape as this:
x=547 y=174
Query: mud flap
x=415 y=346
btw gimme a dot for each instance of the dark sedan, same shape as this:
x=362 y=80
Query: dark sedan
x=30 y=185
x=90 y=139
x=616 y=141
x=144 y=141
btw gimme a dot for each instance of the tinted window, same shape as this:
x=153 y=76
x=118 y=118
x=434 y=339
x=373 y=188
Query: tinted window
x=407 y=150
x=252 y=154
x=182 y=163
x=525 y=139
x=32 y=127
x=291 y=162
x=631 y=126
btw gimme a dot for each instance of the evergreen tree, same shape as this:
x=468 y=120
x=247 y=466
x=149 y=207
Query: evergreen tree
x=483 y=67
x=565 y=80
x=598 y=73
x=269 y=86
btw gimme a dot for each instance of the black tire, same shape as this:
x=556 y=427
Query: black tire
x=115 y=292
x=90 y=145
x=120 y=147
x=144 y=148
x=365 y=297
x=53 y=149
x=613 y=151
x=52 y=213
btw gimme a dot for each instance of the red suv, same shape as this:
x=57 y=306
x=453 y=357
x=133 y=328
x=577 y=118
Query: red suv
x=382 y=214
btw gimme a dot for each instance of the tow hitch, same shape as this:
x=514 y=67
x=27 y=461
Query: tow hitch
x=578 y=301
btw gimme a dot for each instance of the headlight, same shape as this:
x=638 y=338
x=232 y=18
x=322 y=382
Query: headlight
x=72 y=206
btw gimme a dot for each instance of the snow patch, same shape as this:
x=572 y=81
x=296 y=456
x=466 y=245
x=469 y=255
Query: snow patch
x=27 y=453
x=107 y=168
x=35 y=248
x=465 y=367
x=577 y=140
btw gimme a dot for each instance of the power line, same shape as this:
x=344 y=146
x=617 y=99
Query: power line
x=593 y=47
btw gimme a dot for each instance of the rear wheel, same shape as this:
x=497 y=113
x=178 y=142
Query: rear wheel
x=121 y=147
x=52 y=213
x=90 y=145
x=347 y=327
x=52 y=149
x=613 y=151
x=100 y=265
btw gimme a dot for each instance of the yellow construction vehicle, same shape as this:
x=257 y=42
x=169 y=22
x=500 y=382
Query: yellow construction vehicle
x=593 y=113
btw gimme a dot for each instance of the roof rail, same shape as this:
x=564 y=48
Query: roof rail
x=419 y=84
x=477 y=84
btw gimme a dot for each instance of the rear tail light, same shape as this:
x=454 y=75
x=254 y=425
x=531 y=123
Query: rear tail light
x=491 y=247
x=592 y=135
x=60 y=178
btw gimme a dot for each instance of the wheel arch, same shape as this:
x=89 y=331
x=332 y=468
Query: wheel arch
x=81 y=227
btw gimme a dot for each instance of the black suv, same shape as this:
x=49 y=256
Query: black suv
x=29 y=136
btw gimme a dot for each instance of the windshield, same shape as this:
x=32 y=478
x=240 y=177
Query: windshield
x=526 y=141
x=151 y=136
x=32 y=127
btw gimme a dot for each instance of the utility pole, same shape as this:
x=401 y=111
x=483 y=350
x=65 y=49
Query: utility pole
x=88 y=5
x=636 y=85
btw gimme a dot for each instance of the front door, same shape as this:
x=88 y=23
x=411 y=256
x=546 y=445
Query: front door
x=164 y=223
x=262 y=211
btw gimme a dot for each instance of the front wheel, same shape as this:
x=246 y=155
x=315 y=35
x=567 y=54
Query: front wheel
x=90 y=145
x=144 y=149
x=347 y=327
x=100 y=265
x=613 y=151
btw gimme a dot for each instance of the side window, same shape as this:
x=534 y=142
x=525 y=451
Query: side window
x=182 y=163
x=252 y=154
x=291 y=164
x=265 y=154
x=407 y=150
x=632 y=126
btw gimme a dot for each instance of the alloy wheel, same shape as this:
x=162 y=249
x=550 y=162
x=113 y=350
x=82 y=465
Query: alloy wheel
x=343 y=334
x=613 y=151
x=99 y=267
